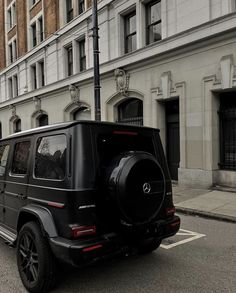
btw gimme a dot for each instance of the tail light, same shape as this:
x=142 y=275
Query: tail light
x=80 y=231
x=170 y=211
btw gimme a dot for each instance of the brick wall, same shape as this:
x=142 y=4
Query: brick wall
x=51 y=17
x=21 y=26
x=36 y=9
x=2 y=36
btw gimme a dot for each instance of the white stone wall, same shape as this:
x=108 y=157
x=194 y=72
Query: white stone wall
x=194 y=61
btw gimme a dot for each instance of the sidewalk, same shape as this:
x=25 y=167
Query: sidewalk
x=220 y=205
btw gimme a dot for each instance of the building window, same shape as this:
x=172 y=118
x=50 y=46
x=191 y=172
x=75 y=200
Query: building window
x=69 y=53
x=13 y=14
x=130 y=32
x=15 y=55
x=10 y=48
x=227 y=116
x=153 y=21
x=82 y=55
x=69 y=10
x=40 y=25
x=15 y=86
x=81 y=6
x=34 y=34
x=33 y=77
x=131 y=112
x=9 y=18
x=83 y=113
x=41 y=74
x=12 y=51
x=17 y=125
x=10 y=88
x=43 y=120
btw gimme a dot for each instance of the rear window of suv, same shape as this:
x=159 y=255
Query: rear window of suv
x=50 y=160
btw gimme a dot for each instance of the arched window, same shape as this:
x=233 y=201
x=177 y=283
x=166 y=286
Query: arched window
x=43 y=120
x=17 y=125
x=83 y=113
x=131 y=112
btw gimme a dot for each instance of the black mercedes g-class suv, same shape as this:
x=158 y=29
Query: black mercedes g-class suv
x=80 y=191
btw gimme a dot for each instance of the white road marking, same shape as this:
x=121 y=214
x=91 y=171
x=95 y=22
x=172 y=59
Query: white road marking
x=191 y=237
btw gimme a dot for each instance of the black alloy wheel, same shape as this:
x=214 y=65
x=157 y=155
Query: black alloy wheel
x=35 y=261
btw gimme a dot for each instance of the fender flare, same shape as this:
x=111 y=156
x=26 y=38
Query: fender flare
x=43 y=215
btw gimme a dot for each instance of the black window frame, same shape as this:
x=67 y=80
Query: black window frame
x=16 y=126
x=42 y=73
x=34 y=34
x=70 y=65
x=81 y=6
x=82 y=55
x=4 y=166
x=149 y=23
x=41 y=30
x=11 y=58
x=42 y=119
x=129 y=35
x=134 y=104
x=12 y=172
x=69 y=10
x=34 y=76
x=38 y=142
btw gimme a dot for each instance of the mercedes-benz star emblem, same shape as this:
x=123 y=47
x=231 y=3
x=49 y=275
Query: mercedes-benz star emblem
x=146 y=188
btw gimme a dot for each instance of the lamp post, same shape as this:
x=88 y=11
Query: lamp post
x=96 y=52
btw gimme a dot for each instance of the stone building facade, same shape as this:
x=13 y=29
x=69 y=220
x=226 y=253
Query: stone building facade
x=168 y=64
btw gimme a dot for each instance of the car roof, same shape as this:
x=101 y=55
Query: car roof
x=64 y=125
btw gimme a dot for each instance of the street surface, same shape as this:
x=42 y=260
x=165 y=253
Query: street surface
x=202 y=258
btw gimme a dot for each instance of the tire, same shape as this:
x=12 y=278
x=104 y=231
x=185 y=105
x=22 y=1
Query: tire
x=148 y=246
x=128 y=176
x=36 y=264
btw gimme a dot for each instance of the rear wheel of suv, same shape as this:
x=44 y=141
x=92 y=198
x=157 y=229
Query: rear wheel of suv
x=136 y=183
x=35 y=261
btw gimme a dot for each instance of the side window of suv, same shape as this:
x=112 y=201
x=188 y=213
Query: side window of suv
x=20 y=158
x=4 y=150
x=50 y=160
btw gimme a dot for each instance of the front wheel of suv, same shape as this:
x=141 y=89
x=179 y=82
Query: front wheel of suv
x=36 y=264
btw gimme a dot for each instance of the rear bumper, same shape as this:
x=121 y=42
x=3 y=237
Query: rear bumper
x=79 y=252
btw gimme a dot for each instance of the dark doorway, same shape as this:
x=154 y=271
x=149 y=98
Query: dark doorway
x=227 y=115
x=172 y=137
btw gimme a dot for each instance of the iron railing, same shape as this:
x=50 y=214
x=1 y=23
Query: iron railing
x=132 y=121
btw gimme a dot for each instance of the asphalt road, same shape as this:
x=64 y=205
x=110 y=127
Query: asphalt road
x=206 y=264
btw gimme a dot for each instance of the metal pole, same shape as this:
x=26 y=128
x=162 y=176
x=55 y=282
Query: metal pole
x=96 y=63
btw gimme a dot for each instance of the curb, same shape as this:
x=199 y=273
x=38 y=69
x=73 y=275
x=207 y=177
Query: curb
x=208 y=215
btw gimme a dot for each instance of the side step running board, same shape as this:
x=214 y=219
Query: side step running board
x=7 y=235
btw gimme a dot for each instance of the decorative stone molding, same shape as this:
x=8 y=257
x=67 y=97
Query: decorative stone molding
x=14 y=117
x=227 y=70
x=74 y=93
x=12 y=108
x=37 y=103
x=122 y=81
x=166 y=84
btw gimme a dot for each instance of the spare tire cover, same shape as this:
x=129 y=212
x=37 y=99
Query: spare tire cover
x=137 y=185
